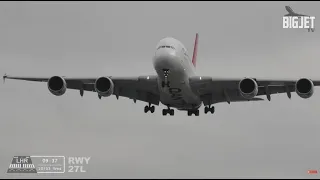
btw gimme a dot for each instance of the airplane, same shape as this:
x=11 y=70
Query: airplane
x=176 y=84
x=292 y=13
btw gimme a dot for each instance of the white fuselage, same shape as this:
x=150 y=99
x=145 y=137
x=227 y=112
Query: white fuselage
x=171 y=54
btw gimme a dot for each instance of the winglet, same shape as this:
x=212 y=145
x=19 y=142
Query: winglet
x=4 y=77
x=195 y=50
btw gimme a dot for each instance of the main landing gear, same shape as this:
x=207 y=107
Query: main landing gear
x=165 y=83
x=209 y=108
x=167 y=111
x=193 y=111
x=149 y=108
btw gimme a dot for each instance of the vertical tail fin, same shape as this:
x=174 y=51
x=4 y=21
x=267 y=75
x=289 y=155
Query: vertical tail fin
x=289 y=9
x=195 y=50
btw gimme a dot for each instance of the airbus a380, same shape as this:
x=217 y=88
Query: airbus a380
x=176 y=84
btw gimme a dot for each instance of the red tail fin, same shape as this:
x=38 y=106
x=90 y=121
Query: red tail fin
x=195 y=51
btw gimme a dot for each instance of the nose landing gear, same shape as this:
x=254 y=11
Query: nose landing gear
x=165 y=83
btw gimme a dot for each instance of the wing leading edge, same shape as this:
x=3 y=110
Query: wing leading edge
x=210 y=90
x=217 y=90
x=142 y=88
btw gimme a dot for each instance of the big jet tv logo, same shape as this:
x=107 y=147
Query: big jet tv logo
x=306 y=22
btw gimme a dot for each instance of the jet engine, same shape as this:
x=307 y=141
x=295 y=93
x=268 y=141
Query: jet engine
x=104 y=86
x=248 y=88
x=304 y=88
x=57 y=85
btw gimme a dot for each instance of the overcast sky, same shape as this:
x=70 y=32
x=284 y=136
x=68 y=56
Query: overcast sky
x=276 y=139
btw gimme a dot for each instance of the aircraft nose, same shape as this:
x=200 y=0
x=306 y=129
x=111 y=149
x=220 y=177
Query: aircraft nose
x=165 y=56
x=166 y=59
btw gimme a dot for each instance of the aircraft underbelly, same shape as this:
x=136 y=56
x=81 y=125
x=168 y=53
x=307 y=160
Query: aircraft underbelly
x=179 y=94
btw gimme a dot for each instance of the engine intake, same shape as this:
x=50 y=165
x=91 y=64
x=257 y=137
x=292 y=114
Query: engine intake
x=104 y=86
x=57 y=85
x=248 y=88
x=304 y=88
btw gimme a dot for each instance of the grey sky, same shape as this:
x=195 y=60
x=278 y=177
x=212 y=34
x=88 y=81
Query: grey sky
x=276 y=139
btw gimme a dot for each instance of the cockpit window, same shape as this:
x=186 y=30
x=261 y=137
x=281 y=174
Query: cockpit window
x=171 y=47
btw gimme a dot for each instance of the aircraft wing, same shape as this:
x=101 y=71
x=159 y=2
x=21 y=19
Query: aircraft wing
x=296 y=15
x=143 y=88
x=216 y=90
x=301 y=15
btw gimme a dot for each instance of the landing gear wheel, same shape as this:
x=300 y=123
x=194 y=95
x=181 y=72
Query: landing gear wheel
x=208 y=108
x=164 y=112
x=193 y=111
x=165 y=84
x=196 y=112
x=171 y=111
x=212 y=109
x=149 y=108
x=168 y=111
x=152 y=109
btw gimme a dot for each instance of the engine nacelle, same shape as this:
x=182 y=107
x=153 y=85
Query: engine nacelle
x=57 y=85
x=248 y=88
x=304 y=88
x=104 y=86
